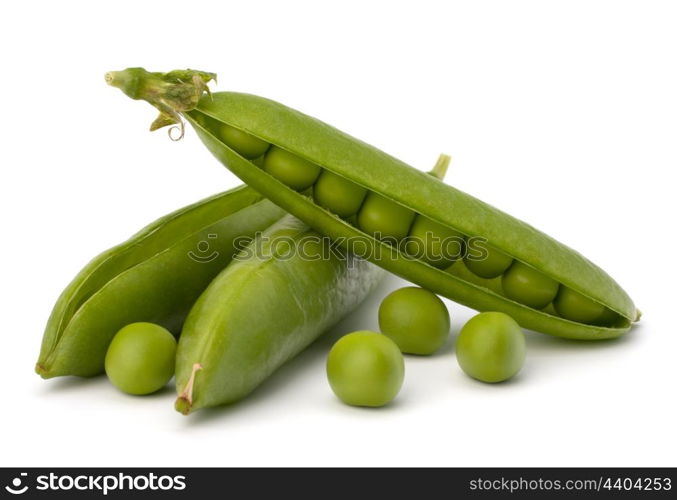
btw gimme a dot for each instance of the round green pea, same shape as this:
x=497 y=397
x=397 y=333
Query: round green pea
x=607 y=318
x=337 y=194
x=384 y=218
x=530 y=287
x=491 y=347
x=415 y=319
x=365 y=369
x=493 y=264
x=141 y=358
x=292 y=170
x=438 y=245
x=245 y=144
x=574 y=306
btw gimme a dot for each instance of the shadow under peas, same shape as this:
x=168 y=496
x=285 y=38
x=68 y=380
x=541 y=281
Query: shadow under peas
x=400 y=400
x=168 y=390
x=61 y=385
x=303 y=365
x=68 y=384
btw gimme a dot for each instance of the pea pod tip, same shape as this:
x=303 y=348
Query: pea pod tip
x=41 y=370
x=184 y=402
x=182 y=405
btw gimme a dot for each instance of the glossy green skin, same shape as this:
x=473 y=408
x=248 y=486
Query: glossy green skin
x=576 y=307
x=377 y=171
x=263 y=310
x=365 y=369
x=526 y=285
x=338 y=195
x=491 y=347
x=140 y=358
x=384 y=219
x=492 y=265
x=151 y=277
x=415 y=319
x=434 y=243
x=246 y=144
x=292 y=170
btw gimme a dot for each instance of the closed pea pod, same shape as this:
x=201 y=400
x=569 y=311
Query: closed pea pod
x=278 y=296
x=391 y=183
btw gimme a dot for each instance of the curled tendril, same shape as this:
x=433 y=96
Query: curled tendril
x=181 y=127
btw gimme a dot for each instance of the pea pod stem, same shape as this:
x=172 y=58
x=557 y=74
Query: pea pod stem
x=439 y=170
x=184 y=401
x=170 y=93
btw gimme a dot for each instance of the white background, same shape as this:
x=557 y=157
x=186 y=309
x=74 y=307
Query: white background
x=560 y=113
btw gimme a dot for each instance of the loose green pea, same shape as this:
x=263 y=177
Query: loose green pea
x=365 y=369
x=246 y=144
x=415 y=319
x=384 y=218
x=491 y=347
x=492 y=265
x=431 y=242
x=337 y=194
x=576 y=307
x=292 y=170
x=526 y=285
x=141 y=357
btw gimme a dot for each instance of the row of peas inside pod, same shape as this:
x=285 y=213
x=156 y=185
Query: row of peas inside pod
x=418 y=236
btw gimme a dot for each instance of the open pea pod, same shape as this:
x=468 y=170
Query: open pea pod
x=154 y=276
x=284 y=154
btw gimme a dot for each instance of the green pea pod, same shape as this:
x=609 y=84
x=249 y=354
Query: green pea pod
x=282 y=292
x=154 y=276
x=545 y=286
